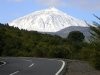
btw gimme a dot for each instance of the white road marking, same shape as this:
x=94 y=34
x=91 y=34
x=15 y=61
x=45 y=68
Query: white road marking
x=3 y=63
x=59 y=71
x=31 y=65
x=14 y=73
x=63 y=64
x=61 y=67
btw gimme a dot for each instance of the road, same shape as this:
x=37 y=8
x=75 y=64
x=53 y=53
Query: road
x=31 y=66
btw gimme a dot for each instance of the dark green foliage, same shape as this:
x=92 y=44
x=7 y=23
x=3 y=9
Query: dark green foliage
x=96 y=44
x=95 y=32
x=15 y=42
x=76 y=36
x=91 y=52
x=75 y=39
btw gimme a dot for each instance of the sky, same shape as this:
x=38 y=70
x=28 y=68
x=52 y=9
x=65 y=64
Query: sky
x=81 y=9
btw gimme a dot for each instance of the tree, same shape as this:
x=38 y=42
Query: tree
x=96 y=43
x=75 y=39
x=76 y=36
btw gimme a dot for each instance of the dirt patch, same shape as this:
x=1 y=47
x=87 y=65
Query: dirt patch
x=81 y=68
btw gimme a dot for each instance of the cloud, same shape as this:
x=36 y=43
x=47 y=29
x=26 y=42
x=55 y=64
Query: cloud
x=88 y=5
x=91 y=5
x=51 y=3
x=16 y=0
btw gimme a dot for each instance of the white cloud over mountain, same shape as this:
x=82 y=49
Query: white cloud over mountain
x=16 y=0
x=51 y=3
x=90 y=5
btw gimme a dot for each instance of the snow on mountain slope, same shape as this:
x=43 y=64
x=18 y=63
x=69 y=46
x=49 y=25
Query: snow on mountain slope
x=48 y=20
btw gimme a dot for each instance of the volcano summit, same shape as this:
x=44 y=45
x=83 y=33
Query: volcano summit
x=50 y=20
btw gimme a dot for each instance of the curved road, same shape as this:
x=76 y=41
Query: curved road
x=31 y=66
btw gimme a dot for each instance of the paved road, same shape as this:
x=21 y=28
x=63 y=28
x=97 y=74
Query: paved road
x=31 y=66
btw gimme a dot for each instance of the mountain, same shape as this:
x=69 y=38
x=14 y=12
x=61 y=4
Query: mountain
x=49 y=20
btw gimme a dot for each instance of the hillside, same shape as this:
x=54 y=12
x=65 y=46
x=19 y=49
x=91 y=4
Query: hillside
x=51 y=21
x=16 y=42
x=20 y=43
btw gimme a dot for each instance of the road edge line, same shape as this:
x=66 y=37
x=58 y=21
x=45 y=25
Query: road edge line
x=14 y=73
x=62 y=67
x=31 y=65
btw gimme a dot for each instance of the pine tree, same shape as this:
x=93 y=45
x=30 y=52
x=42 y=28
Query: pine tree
x=96 y=43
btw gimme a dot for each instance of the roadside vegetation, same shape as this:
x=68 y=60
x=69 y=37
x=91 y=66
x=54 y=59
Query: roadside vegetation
x=16 y=42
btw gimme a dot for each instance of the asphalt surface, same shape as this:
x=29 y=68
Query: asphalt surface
x=1 y=63
x=31 y=66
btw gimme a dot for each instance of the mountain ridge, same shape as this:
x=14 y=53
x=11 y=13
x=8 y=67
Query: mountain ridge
x=47 y=20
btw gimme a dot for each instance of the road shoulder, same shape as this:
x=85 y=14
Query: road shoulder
x=80 y=68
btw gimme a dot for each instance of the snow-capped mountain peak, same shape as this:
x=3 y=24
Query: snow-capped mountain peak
x=47 y=20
